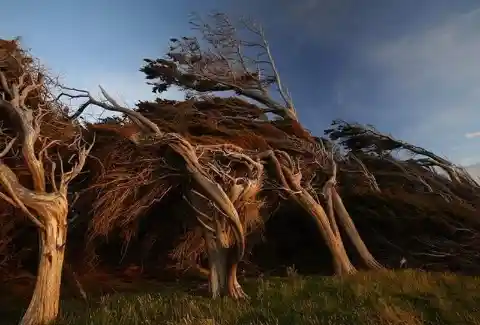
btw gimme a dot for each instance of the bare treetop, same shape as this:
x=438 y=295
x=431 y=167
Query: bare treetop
x=223 y=58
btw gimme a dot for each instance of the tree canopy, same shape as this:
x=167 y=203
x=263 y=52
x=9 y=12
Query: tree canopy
x=200 y=181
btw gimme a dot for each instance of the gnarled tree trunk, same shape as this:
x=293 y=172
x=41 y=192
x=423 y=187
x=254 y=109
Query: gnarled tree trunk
x=46 y=210
x=222 y=277
x=51 y=211
x=326 y=223
x=221 y=255
x=44 y=305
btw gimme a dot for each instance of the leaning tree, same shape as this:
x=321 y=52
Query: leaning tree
x=416 y=193
x=365 y=139
x=236 y=57
x=36 y=139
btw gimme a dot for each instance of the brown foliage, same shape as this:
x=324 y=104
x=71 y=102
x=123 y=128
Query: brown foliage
x=408 y=188
x=129 y=172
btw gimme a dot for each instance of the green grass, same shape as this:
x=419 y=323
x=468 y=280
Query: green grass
x=366 y=298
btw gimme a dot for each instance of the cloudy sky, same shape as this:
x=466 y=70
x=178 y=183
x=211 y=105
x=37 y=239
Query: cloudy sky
x=411 y=68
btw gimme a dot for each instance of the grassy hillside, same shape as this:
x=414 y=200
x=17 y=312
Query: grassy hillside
x=366 y=298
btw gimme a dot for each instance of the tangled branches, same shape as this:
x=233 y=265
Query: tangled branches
x=228 y=162
x=23 y=98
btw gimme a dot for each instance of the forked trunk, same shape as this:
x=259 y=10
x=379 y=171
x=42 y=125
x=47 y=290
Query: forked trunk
x=222 y=278
x=43 y=308
x=341 y=261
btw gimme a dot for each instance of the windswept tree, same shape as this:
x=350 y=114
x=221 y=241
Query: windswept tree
x=221 y=60
x=225 y=56
x=227 y=156
x=367 y=142
x=33 y=177
x=236 y=57
x=205 y=190
x=415 y=189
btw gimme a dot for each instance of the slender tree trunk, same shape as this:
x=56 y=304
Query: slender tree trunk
x=43 y=308
x=341 y=261
x=352 y=232
x=337 y=266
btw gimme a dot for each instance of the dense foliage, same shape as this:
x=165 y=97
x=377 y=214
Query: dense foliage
x=217 y=181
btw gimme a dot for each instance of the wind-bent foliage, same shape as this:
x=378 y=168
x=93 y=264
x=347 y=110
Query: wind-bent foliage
x=222 y=59
x=221 y=170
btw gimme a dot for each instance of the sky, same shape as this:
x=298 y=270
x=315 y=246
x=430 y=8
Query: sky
x=410 y=68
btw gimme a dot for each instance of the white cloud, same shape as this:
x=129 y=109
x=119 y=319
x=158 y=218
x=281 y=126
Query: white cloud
x=472 y=135
x=435 y=75
x=445 y=54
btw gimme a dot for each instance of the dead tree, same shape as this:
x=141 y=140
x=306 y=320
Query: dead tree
x=44 y=207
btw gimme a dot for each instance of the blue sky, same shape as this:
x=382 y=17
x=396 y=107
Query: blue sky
x=411 y=68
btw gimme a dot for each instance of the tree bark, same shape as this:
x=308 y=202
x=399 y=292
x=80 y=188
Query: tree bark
x=222 y=278
x=353 y=234
x=44 y=305
x=333 y=223
x=341 y=261
x=299 y=194
x=234 y=288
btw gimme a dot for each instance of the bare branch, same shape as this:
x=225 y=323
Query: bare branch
x=142 y=122
x=371 y=178
x=7 y=147
x=200 y=213
x=19 y=194
x=258 y=30
x=24 y=116
x=83 y=153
